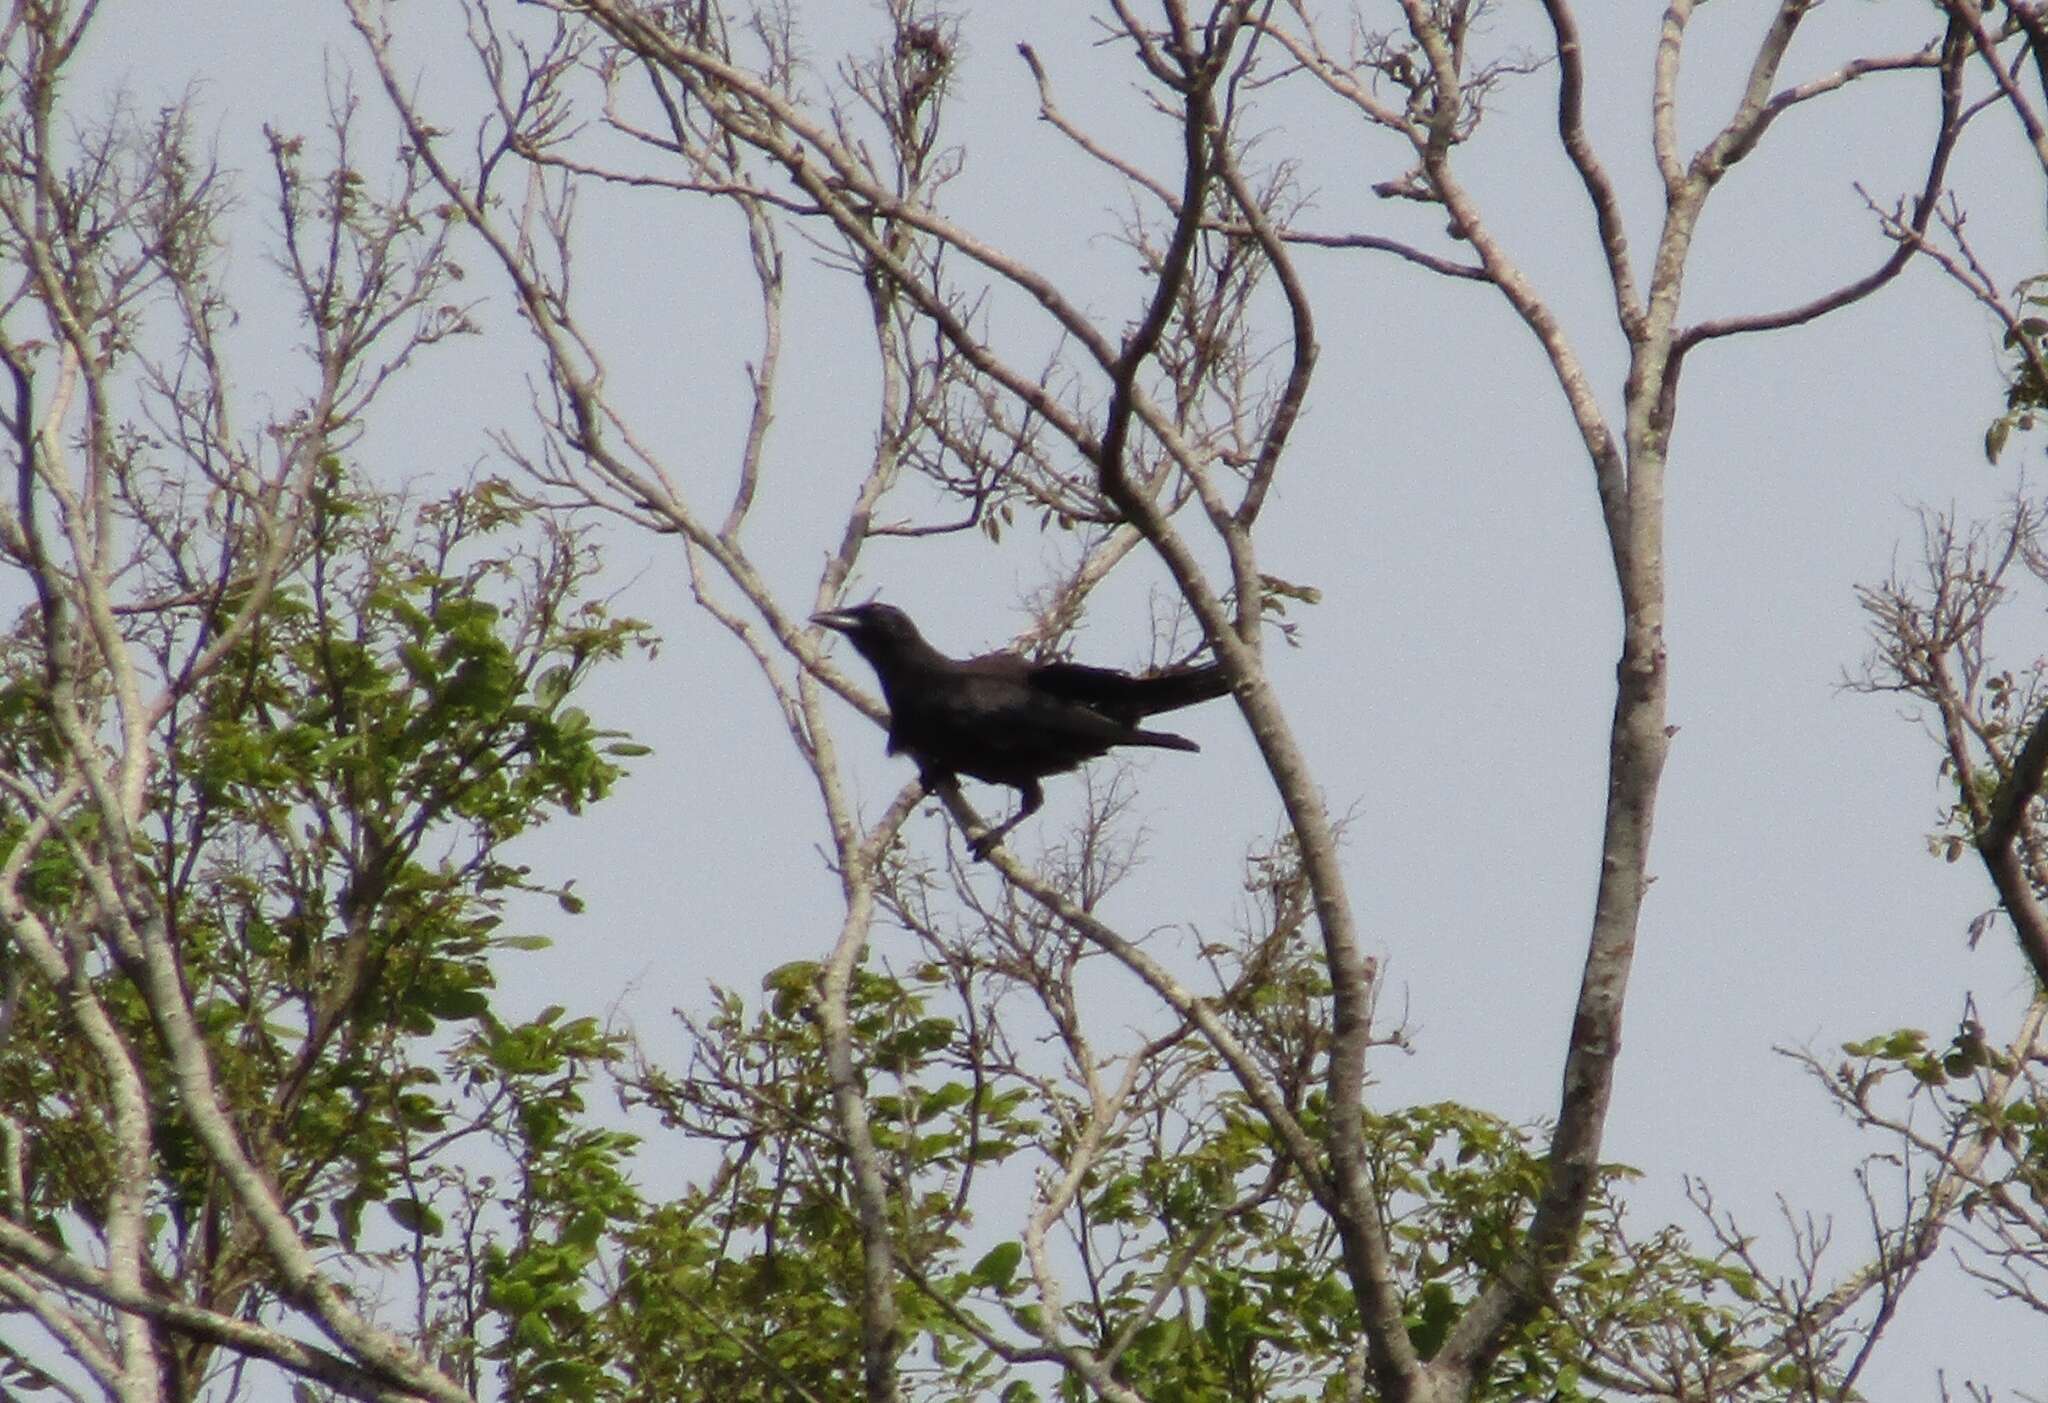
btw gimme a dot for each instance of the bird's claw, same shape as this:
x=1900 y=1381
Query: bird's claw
x=989 y=839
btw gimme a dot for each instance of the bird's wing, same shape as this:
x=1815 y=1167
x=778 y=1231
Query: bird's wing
x=1016 y=706
x=1077 y=682
x=1079 y=703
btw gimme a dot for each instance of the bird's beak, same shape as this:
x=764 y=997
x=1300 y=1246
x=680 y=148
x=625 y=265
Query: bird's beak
x=838 y=620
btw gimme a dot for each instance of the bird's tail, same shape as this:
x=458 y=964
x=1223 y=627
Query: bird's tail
x=1126 y=697
x=1165 y=740
x=1174 y=688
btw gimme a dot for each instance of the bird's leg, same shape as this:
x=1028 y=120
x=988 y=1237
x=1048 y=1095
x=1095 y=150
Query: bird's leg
x=1033 y=796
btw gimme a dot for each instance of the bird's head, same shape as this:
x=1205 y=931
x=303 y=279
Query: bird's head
x=874 y=629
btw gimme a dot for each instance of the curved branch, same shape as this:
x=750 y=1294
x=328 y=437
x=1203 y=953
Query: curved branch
x=1970 y=15
x=1375 y=243
x=1998 y=847
x=1953 y=119
x=1571 y=131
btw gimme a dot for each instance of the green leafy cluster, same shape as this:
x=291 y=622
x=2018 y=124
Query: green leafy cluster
x=571 y=1198
x=747 y=1286
x=2026 y=392
x=1971 y=1090
x=325 y=852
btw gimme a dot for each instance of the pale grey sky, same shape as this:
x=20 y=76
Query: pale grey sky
x=1456 y=681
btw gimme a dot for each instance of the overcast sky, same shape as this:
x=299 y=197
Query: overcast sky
x=1454 y=685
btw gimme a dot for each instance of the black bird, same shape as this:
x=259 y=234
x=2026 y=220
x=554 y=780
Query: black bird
x=1004 y=718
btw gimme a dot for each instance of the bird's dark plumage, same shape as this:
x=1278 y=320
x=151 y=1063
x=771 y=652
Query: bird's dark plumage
x=1004 y=718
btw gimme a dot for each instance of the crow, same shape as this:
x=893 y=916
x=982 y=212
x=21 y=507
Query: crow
x=1005 y=719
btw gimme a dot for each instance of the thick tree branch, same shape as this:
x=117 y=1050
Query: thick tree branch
x=240 y=1336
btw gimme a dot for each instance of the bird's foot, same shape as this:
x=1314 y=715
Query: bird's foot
x=982 y=844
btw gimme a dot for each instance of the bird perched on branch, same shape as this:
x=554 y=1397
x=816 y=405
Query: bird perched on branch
x=1004 y=718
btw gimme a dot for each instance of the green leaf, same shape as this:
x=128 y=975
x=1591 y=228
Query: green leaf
x=414 y=1216
x=998 y=1266
x=456 y=1004
x=1996 y=435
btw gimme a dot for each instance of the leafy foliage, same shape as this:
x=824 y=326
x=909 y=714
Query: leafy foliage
x=2026 y=392
x=326 y=844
